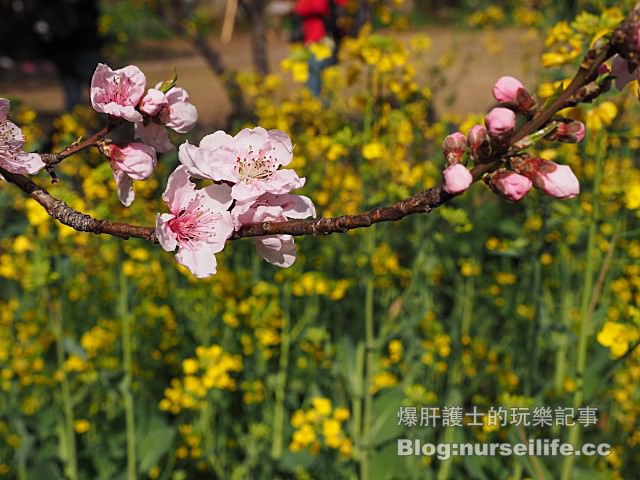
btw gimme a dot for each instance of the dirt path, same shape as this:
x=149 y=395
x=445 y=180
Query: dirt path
x=468 y=80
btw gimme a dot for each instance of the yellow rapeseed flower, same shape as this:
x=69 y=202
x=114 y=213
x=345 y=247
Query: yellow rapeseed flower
x=322 y=406
x=81 y=426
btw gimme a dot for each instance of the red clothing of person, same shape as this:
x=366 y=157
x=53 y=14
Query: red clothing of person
x=314 y=13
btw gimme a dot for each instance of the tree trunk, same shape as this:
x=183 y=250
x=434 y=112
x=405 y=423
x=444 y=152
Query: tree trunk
x=255 y=10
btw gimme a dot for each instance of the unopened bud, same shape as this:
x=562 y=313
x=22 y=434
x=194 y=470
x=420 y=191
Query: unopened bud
x=556 y=180
x=454 y=146
x=510 y=185
x=570 y=132
x=511 y=90
x=457 y=179
x=479 y=144
x=500 y=123
x=506 y=88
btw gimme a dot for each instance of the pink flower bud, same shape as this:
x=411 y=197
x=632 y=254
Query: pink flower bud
x=180 y=115
x=510 y=185
x=479 y=144
x=571 y=132
x=456 y=179
x=559 y=181
x=454 y=146
x=152 y=102
x=500 y=123
x=506 y=89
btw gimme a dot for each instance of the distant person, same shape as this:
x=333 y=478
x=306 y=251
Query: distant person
x=320 y=19
x=67 y=34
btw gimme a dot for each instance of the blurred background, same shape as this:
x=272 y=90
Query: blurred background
x=116 y=363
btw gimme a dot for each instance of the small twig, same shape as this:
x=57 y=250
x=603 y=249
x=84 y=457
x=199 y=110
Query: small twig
x=52 y=159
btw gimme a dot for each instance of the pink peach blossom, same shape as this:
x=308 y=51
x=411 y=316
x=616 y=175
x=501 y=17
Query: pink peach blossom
x=500 y=122
x=198 y=225
x=457 y=179
x=118 y=92
x=251 y=161
x=506 y=89
x=510 y=185
x=278 y=250
x=134 y=161
x=12 y=157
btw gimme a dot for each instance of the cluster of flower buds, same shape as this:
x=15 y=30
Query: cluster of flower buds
x=492 y=141
x=121 y=95
x=248 y=186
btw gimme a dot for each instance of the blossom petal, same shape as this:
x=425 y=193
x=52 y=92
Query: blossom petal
x=281 y=146
x=216 y=140
x=250 y=138
x=180 y=191
x=217 y=197
x=279 y=250
x=245 y=192
x=125 y=187
x=166 y=237
x=296 y=206
x=154 y=135
x=23 y=163
x=200 y=261
x=5 y=107
x=137 y=160
x=283 y=181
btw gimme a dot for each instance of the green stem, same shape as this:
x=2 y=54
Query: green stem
x=125 y=386
x=67 y=402
x=585 y=312
x=369 y=365
x=278 y=415
x=454 y=396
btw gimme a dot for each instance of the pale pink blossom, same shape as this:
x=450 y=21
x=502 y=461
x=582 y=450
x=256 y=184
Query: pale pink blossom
x=457 y=179
x=134 y=161
x=12 y=157
x=506 y=89
x=278 y=250
x=556 y=180
x=510 y=185
x=179 y=114
x=198 y=225
x=454 y=146
x=500 y=122
x=251 y=161
x=118 y=92
x=153 y=101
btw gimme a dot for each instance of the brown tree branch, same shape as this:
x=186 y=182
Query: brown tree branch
x=73 y=218
x=423 y=202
